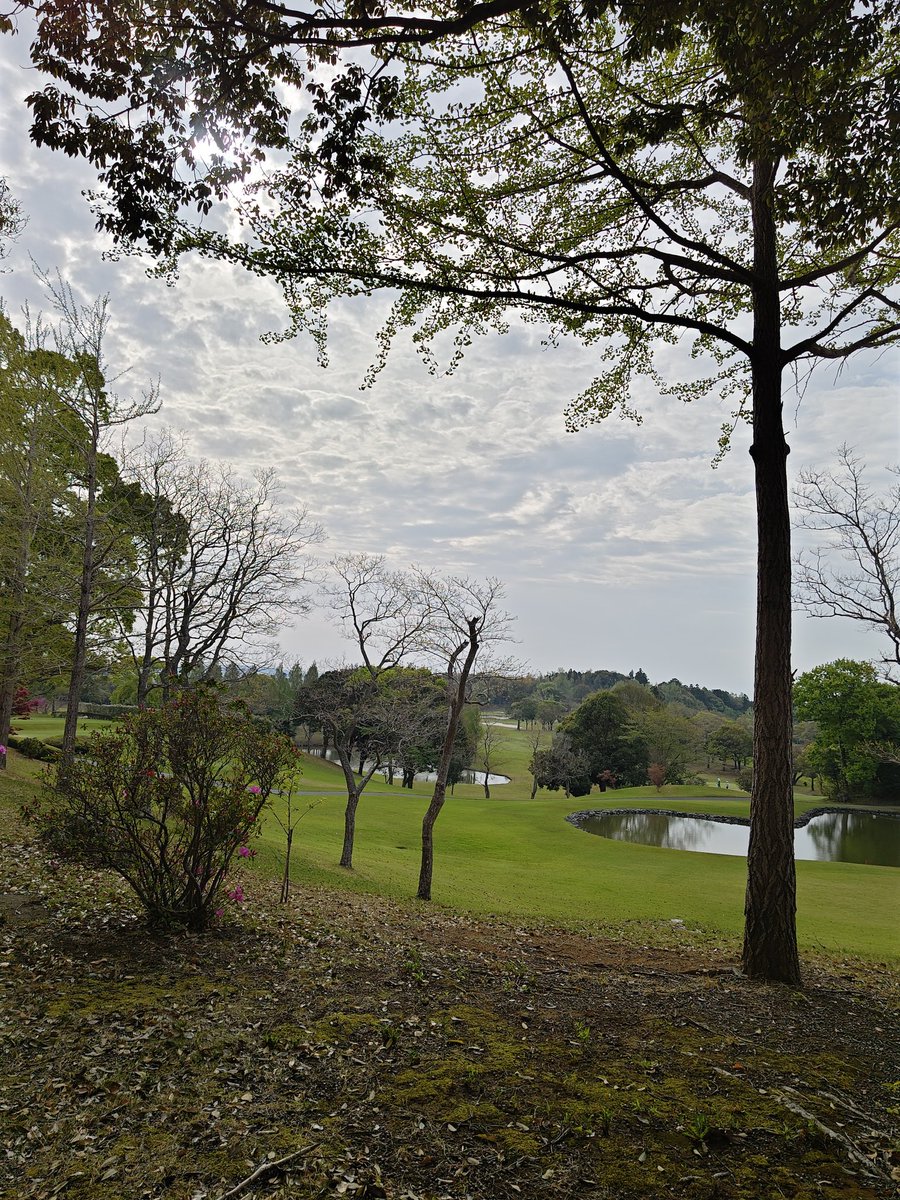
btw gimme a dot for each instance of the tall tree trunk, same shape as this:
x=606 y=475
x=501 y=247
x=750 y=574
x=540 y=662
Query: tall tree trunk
x=11 y=658
x=79 y=653
x=354 y=791
x=770 y=933
x=16 y=596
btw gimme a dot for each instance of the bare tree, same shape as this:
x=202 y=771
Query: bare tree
x=223 y=566
x=466 y=620
x=34 y=475
x=289 y=815
x=863 y=532
x=12 y=220
x=490 y=739
x=385 y=614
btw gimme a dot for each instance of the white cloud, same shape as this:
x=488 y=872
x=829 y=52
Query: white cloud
x=619 y=545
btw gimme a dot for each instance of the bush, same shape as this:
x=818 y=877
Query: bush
x=745 y=779
x=82 y=744
x=166 y=800
x=33 y=747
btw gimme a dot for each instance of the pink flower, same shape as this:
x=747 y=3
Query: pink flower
x=236 y=894
x=2 y=749
x=255 y=789
x=220 y=912
x=245 y=852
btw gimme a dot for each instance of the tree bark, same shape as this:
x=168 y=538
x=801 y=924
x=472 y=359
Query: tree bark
x=349 y=829
x=770 y=934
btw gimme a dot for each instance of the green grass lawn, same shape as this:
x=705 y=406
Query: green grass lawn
x=518 y=858
x=45 y=727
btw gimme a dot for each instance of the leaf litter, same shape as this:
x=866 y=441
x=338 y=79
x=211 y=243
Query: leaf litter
x=348 y=1046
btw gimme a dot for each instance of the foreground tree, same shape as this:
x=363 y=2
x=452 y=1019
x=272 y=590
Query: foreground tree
x=166 y=800
x=626 y=170
x=35 y=554
x=862 y=531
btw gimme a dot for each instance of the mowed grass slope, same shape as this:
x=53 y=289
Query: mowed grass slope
x=520 y=859
x=517 y=857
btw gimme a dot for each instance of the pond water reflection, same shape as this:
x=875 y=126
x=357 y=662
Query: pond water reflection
x=858 y=837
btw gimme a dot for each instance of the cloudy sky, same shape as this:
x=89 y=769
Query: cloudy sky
x=619 y=546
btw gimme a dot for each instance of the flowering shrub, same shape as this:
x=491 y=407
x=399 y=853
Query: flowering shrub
x=167 y=799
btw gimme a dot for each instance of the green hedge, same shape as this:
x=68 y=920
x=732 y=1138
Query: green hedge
x=33 y=747
x=82 y=744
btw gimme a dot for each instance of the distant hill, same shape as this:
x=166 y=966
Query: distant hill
x=697 y=698
x=570 y=686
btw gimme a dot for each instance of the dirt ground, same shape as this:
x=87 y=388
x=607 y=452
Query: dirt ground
x=347 y=1046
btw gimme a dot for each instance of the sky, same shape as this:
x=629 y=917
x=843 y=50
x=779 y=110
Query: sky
x=619 y=546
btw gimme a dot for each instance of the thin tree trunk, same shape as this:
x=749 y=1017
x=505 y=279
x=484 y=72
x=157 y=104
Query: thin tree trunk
x=15 y=599
x=349 y=829
x=286 y=878
x=79 y=653
x=770 y=934
x=426 y=868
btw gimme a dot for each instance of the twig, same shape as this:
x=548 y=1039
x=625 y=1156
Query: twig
x=854 y=1153
x=266 y=1168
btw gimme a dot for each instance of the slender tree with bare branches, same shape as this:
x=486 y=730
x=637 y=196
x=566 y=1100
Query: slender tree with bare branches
x=223 y=566
x=855 y=573
x=466 y=621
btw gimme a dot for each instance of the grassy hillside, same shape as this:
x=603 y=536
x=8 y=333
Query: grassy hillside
x=520 y=859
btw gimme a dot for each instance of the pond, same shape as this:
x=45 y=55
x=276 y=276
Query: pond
x=857 y=837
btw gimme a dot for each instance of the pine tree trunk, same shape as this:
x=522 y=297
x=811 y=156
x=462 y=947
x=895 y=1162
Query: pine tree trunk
x=770 y=934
